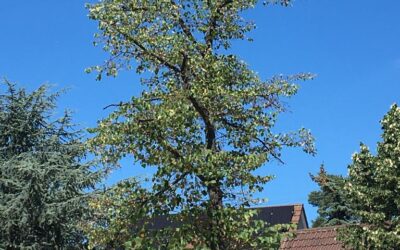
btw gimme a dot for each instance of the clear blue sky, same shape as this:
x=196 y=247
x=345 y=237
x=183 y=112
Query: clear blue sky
x=353 y=47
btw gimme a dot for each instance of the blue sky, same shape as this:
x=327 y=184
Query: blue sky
x=352 y=46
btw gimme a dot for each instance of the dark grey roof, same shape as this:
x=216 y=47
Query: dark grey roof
x=276 y=214
x=273 y=215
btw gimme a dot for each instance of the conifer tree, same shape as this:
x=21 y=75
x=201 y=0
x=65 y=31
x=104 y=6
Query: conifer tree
x=204 y=121
x=331 y=200
x=43 y=179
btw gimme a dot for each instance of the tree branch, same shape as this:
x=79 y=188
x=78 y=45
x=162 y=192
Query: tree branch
x=186 y=30
x=161 y=59
x=265 y=146
x=209 y=127
x=175 y=153
x=213 y=23
x=113 y=105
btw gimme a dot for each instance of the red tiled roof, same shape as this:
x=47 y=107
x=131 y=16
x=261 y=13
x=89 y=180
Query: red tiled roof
x=323 y=238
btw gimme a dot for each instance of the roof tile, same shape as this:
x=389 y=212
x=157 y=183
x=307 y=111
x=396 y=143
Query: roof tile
x=313 y=239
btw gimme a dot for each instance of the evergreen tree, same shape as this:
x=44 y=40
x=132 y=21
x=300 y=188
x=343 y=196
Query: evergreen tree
x=204 y=121
x=331 y=200
x=43 y=180
x=373 y=189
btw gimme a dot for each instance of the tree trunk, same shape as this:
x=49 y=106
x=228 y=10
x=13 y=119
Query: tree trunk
x=217 y=239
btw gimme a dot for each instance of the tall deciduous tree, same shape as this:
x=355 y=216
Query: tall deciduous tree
x=373 y=188
x=332 y=201
x=204 y=121
x=42 y=178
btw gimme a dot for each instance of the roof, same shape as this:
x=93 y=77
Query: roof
x=323 y=238
x=284 y=214
x=273 y=215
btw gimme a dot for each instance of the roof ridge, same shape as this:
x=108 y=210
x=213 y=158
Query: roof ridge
x=295 y=239
x=335 y=242
x=321 y=228
x=287 y=205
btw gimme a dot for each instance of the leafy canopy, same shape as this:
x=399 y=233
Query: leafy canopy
x=42 y=177
x=373 y=188
x=204 y=121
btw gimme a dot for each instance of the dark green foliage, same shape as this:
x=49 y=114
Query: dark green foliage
x=42 y=177
x=333 y=207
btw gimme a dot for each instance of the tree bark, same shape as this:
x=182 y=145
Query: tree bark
x=217 y=239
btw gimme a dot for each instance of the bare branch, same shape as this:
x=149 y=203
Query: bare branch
x=114 y=105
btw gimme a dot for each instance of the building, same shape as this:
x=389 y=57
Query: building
x=305 y=238
x=285 y=214
x=273 y=215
